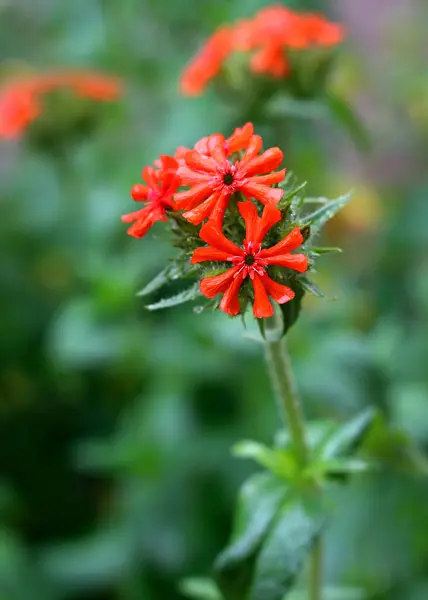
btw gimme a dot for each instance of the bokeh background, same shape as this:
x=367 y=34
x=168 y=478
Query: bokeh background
x=115 y=423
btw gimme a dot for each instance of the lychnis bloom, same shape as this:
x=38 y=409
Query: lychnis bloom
x=21 y=98
x=268 y=37
x=214 y=178
x=250 y=260
x=157 y=195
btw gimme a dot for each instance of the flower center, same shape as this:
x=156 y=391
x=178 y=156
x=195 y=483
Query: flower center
x=228 y=179
x=249 y=259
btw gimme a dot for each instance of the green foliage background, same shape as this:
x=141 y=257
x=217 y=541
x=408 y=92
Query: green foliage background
x=115 y=423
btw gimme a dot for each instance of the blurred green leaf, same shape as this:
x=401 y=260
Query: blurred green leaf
x=348 y=436
x=259 y=501
x=279 y=462
x=285 y=550
x=78 y=336
x=345 y=115
x=200 y=589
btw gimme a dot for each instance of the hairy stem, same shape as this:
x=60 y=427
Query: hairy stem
x=282 y=379
x=288 y=400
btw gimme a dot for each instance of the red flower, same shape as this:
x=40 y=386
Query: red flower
x=207 y=63
x=213 y=178
x=157 y=194
x=20 y=100
x=269 y=34
x=250 y=261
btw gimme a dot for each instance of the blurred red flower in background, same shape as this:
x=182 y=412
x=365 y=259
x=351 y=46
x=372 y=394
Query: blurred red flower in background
x=21 y=98
x=268 y=35
x=250 y=261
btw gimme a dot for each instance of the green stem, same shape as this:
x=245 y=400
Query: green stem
x=282 y=379
x=315 y=572
x=287 y=395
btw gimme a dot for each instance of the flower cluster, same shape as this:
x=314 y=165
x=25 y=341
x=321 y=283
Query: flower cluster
x=225 y=178
x=21 y=98
x=268 y=37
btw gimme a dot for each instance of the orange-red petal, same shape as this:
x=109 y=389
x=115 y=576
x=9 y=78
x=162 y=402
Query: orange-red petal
x=191 y=198
x=266 y=162
x=262 y=306
x=292 y=241
x=202 y=211
x=280 y=293
x=230 y=301
x=209 y=254
x=216 y=149
x=212 y=235
x=216 y=284
x=200 y=162
x=297 y=262
x=264 y=193
x=139 y=192
x=270 y=178
x=255 y=144
x=239 y=138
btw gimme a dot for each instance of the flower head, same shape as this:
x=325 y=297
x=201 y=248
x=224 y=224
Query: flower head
x=21 y=99
x=213 y=178
x=269 y=35
x=250 y=260
x=157 y=195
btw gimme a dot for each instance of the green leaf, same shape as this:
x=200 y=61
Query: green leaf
x=200 y=589
x=172 y=272
x=344 y=114
x=348 y=436
x=290 y=310
x=309 y=286
x=279 y=462
x=347 y=466
x=284 y=552
x=160 y=280
x=328 y=210
x=394 y=448
x=259 y=502
x=186 y=296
